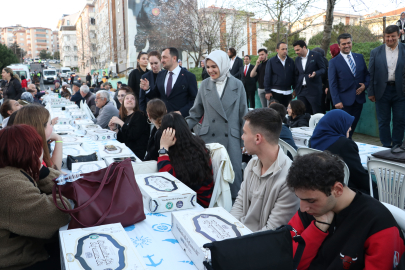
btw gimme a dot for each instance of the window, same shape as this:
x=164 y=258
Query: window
x=76 y=58
x=40 y=35
x=41 y=30
x=22 y=39
x=67 y=58
x=49 y=72
x=93 y=21
x=21 y=44
x=75 y=48
x=67 y=22
x=10 y=30
x=21 y=34
x=93 y=47
x=66 y=38
x=66 y=48
x=41 y=40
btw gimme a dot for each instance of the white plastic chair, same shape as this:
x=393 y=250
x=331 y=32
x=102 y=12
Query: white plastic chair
x=315 y=119
x=398 y=214
x=390 y=181
x=304 y=151
x=287 y=148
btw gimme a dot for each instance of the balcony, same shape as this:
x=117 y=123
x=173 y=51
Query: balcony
x=67 y=28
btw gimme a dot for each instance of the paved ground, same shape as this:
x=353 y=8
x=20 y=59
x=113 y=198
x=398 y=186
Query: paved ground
x=366 y=139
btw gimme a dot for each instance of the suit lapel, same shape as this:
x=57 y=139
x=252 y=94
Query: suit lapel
x=310 y=55
x=399 y=58
x=161 y=83
x=213 y=99
x=385 y=58
x=230 y=94
x=179 y=81
x=299 y=63
x=343 y=62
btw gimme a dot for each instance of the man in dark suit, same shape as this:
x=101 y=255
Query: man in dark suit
x=348 y=78
x=175 y=86
x=235 y=64
x=309 y=68
x=386 y=87
x=248 y=82
x=279 y=77
x=204 y=73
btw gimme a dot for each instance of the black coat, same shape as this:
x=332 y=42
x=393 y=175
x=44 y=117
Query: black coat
x=278 y=76
x=143 y=100
x=315 y=62
x=248 y=82
x=183 y=93
x=204 y=74
x=134 y=80
x=135 y=133
x=14 y=89
x=299 y=121
x=235 y=70
x=153 y=145
x=88 y=79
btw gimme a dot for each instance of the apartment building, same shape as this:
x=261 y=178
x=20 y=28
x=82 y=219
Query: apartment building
x=67 y=40
x=85 y=37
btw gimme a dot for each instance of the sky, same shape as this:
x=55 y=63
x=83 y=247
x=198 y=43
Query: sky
x=46 y=13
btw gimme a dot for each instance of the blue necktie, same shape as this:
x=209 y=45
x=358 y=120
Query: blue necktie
x=352 y=65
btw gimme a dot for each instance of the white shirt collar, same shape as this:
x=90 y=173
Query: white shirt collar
x=307 y=54
x=345 y=55
x=284 y=59
x=176 y=71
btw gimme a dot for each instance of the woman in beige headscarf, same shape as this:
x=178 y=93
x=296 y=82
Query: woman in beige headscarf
x=221 y=99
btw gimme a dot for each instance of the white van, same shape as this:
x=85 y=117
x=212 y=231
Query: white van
x=36 y=60
x=21 y=70
x=64 y=71
x=49 y=75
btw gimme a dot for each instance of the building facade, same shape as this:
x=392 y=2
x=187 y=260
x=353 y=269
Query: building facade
x=67 y=40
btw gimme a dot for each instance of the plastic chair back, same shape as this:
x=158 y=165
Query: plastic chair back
x=287 y=148
x=390 y=181
x=398 y=214
x=315 y=119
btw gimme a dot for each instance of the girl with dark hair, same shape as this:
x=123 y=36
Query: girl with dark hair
x=7 y=108
x=29 y=218
x=134 y=78
x=131 y=127
x=156 y=109
x=185 y=156
x=11 y=87
x=65 y=93
x=297 y=116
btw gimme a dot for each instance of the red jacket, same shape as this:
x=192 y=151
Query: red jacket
x=24 y=83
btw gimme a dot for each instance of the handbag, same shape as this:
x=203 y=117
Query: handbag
x=396 y=153
x=145 y=167
x=74 y=159
x=110 y=195
x=258 y=251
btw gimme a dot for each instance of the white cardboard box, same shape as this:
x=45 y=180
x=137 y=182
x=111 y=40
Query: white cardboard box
x=162 y=192
x=99 y=248
x=114 y=149
x=194 y=228
x=100 y=134
x=87 y=167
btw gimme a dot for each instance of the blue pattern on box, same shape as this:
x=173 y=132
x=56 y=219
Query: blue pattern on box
x=162 y=227
x=173 y=241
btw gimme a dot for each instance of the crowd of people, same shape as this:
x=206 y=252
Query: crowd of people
x=337 y=221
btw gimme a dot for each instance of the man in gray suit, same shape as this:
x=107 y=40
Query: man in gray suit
x=386 y=66
x=107 y=109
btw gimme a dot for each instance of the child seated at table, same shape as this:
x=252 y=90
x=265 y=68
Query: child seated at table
x=185 y=157
x=332 y=133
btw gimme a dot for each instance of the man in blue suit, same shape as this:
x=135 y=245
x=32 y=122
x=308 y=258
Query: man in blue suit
x=348 y=78
x=175 y=86
x=309 y=68
x=386 y=66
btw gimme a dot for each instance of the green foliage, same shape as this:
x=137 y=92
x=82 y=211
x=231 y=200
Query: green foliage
x=56 y=55
x=197 y=71
x=43 y=54
x=271 y=43
x=18 y=51
x=359 y=34
x=7 y=56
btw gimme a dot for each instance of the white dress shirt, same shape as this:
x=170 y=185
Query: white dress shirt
x=347 y=58
x=283 y=61
x=232 y=61
x=304 y=63
x=283 y=92
x=392 y=59
x=247 y=69
x=220 y=87
x=175 y=75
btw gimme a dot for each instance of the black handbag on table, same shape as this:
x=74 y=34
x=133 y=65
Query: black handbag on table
x=75 y=159
x=257 y=251
x=396 y=154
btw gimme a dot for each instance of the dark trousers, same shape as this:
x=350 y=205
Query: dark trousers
x=250 y=98
x=53 y=262
x=354 y=110
x=283 y=99
x=313 y=104
x=390 y=101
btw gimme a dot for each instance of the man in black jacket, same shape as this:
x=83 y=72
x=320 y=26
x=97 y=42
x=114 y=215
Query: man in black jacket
x=236 y=63
x=248 y=82
x=204 y=73
x=279 y=77
x=309 y=68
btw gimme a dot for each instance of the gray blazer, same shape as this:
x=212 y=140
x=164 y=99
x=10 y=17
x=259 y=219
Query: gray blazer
x=105 y=115
x=379 y=71
x=223 y=120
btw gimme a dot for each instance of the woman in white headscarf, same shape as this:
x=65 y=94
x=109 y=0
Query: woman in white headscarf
x=401 y=25
x=221 y=100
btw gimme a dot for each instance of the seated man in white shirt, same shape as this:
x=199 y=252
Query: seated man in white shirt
x=264 y=201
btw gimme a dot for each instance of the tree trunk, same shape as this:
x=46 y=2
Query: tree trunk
x=327 y=30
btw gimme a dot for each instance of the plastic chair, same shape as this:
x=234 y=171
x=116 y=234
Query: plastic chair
x=390 y=181
x=304 y=151
x=315 y=119
x=287 y=148
x=398 y=214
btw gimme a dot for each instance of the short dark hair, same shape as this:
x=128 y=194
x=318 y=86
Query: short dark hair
x=316 y=171
x=173 y=52
x=262 y=50
x=278 y=44
x=319 y=50
x=280 y=109
x=297 y=107
x=344 y=36
x=300 y=43
x=233 y=51
x=391 y=29
x=247 y=56
x=267 y=121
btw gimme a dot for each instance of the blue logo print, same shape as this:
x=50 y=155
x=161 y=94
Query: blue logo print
x=151 y=261
x=179 y=204
x=173 y=241
x=189 y=262
x=156 y=214
x=162 y=227
x=129 y=228
x=141 y=241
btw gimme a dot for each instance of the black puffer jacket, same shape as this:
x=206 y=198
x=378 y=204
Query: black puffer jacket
x=14 y=89
x=299 y=121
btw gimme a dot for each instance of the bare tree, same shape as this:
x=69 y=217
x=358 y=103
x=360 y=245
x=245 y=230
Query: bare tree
x=330 y=7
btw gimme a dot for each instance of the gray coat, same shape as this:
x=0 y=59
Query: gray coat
x=105 y=115
x=223 y=120
x=379 y=71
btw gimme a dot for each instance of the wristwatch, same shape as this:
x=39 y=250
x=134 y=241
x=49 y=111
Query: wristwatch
x=163 y=151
